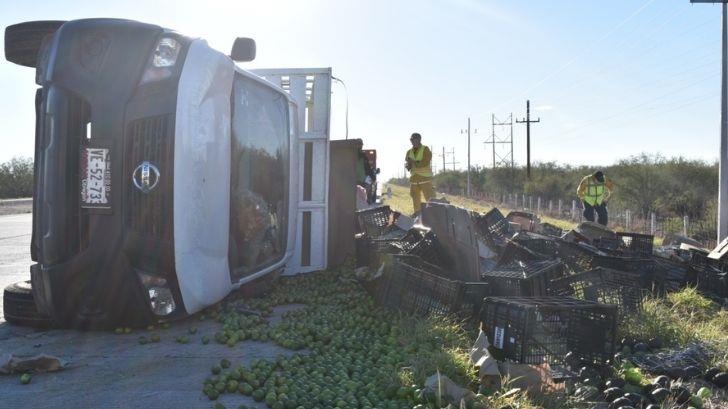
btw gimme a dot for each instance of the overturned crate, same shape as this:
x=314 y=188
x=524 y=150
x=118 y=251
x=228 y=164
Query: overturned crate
x=415 y=242
x=580 y=258
x=415 y=286
x=541 y=245
x=377 y=222
x=676 y=273
x=536 y=330
x=521 y=279
x=494 y=228
x=604 y=286
x=711 y=275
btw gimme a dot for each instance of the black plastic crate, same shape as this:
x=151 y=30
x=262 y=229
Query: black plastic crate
x=516 y=251
x=376 y=221
x=542 y=245
x=534 y=330
x=581 y=258
x=523 y=279
x=399 y=244
x=493 y=228
x=712 y=281
x=430 y=250
x=551 y=230
x=636 y=243
x=604 y=286
x=610 y=245
x=418 y=287
x=675 y=274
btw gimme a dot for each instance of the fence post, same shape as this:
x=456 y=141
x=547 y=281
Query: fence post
x=653 y=222
x=561 y=202
x=538 y=205
x=627 y=220
x=523 y=201
x=573 y=210
x=686 y=223
x=515 y=201
x=530 y=203
x=551 y=206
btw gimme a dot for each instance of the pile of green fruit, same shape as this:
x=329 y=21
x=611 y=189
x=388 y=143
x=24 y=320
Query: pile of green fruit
x=356 y=354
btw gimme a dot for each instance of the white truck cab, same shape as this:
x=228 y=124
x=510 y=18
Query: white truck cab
x=167 y=176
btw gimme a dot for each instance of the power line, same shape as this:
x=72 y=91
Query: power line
x=575 y=58
x=634 y=107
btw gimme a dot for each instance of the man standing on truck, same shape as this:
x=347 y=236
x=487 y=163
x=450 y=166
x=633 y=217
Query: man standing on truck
x=417 y=162
x=594 y=191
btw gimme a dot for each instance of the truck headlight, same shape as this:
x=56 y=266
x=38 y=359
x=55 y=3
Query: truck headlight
x=161 y=300
x=162 y=61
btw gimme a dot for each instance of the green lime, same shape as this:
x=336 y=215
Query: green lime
x=216 y=369
x=205 y=340
x=225 y=363
x=25 y=378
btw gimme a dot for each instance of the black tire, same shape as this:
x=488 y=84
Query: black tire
x=19 y=306
x=23 y=40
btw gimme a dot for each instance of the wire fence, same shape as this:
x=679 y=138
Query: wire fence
x=619 y=219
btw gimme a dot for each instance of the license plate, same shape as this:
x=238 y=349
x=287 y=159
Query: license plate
x=95 y=178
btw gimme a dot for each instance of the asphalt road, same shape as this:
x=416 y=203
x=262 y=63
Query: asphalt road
x=14 y=249
x=106 y=370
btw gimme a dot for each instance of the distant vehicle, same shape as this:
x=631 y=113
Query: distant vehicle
x=165 y=175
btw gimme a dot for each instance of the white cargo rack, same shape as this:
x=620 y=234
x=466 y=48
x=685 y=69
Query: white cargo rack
x=310 y=88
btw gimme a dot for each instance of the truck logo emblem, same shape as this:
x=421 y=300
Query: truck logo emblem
x=145 y=177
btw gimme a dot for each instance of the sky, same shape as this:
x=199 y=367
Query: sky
x=606 y=79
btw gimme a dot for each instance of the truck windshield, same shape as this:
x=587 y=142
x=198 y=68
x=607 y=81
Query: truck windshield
x=259 y=176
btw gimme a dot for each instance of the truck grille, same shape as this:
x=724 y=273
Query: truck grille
x=151 y=139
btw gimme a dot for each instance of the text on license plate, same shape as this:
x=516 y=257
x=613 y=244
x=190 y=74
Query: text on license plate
x=95 y=178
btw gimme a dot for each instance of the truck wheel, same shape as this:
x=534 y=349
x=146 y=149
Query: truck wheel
x=19 y=306
x=23 y=40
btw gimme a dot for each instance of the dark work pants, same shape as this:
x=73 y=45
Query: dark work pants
x=601 y=210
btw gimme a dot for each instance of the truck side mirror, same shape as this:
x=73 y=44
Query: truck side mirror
x=377 y=171
x=243 y=50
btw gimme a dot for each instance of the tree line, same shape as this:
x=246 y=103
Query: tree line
x=16 y=178
x=644 y=183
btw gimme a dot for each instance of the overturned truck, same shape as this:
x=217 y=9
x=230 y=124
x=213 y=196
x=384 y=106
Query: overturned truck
x=166 y=176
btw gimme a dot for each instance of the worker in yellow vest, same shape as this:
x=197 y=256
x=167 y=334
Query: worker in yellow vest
x=417 y=162
x=594 y=191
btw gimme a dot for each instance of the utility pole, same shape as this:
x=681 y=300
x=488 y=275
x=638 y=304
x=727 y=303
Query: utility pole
x=723 y=169
x=528 y=123
x=468 y=194
x=443 y=159
x=468 y=172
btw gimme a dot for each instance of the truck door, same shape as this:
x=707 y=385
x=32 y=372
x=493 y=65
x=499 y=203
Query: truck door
x=259 y=179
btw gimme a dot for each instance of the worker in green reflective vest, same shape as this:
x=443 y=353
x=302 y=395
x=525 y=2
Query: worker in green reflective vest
x=594 y=192
x=417 y=162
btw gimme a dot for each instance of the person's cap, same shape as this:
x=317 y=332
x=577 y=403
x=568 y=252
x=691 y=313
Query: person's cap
x=416 y=136
x=598 y=175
